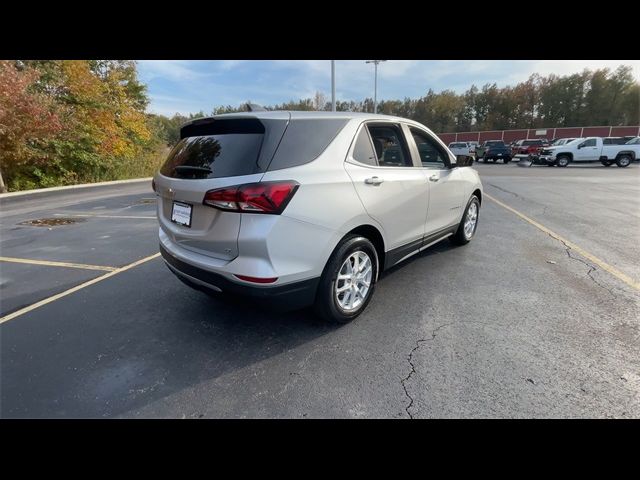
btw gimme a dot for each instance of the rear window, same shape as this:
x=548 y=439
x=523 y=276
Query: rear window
x=494 y=143
x=532 y=142
x=214 y=148
x=458 y=145
x=223 y=148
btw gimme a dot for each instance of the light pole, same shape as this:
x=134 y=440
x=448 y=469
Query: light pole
x=333 y=85
x=375 y=83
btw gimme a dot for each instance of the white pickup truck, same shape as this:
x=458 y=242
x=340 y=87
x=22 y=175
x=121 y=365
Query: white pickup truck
x=590 y=149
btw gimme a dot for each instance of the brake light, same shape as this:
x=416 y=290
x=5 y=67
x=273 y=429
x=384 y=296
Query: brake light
x=265 y=197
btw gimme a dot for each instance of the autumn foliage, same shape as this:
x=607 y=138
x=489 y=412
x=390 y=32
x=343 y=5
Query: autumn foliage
x=65 y=122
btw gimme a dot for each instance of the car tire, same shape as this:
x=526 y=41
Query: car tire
x=464 y=235
x=329 y=304
x=563 y=161
x=623 y=161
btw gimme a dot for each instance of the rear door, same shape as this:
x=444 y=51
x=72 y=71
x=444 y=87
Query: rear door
x=220 y=153
x=392 y=189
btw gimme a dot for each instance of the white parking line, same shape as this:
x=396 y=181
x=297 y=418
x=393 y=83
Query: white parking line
x=53 y=298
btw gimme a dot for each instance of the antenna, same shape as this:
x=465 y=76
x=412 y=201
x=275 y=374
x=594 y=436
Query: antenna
x=254 y=107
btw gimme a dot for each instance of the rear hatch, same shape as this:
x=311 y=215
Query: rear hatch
x=213 y=153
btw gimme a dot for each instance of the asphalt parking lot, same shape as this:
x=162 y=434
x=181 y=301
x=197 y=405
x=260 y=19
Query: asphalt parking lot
x=515 y=324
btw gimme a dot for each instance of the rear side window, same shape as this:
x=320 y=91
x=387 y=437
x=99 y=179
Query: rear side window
x=363 y=149
x=304 y=140
x=390 y=146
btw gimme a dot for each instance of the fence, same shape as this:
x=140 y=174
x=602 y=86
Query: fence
x=548 y=133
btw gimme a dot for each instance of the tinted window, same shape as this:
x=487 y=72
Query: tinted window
x=363 y=149
x=431 y=154
x=390 y=146
x=532 y=142
x=589 y=143
x=458 y=145
x=304 y=140
x=496 y=143
x=214 y=156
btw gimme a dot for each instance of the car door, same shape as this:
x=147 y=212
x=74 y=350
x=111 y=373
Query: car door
x=446 y=185
x=391 y=187
x=588 y=150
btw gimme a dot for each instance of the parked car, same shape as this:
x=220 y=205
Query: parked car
x=633 y=141
x=561 y=141
x=493 y=150
x=308 y=208
x=473 y=145
x=590 y=149
x=524 y=148
x=460 y=148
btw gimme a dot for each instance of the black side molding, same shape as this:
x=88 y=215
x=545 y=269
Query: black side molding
x=394 y=256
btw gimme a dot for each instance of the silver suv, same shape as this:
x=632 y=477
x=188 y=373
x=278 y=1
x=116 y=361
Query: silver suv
x=308 y=208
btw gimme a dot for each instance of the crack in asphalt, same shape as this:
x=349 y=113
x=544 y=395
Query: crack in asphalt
x=413 y=368
x=592 y=268
x=544 y=210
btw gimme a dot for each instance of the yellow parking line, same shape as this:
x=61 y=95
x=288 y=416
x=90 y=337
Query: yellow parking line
x=601 y=263
x=53 y=298
x=101 y=216
x=57 y=264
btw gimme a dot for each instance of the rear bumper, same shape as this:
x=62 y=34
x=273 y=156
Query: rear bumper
x=289 y=296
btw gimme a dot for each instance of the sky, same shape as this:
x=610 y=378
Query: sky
x=189 y=86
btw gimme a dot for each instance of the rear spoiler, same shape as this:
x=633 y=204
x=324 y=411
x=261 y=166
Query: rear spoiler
x=221 y=125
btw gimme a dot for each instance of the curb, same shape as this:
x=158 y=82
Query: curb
x=6 y=198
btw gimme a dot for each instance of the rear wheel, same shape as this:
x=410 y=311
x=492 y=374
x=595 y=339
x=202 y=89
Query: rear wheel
x=623 y=161
x=348 y=280
x=468 y=224
x=562 y=161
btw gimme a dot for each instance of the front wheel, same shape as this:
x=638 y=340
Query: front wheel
x=562 y=161
x=467 y=227
x=348 y=280
x=623 y=161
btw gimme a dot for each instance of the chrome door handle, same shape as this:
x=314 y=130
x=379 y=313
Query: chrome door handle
x=434 y=178
x=373 y=181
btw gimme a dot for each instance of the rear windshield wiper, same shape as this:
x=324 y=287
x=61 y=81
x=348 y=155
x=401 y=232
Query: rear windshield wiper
x=189 y=168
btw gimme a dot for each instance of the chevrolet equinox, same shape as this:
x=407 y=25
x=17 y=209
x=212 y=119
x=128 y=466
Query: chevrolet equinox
x=308 y=208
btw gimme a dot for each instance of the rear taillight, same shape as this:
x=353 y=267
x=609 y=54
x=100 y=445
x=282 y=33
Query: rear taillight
x=266 y=197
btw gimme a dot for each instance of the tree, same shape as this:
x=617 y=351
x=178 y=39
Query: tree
x=28 y=120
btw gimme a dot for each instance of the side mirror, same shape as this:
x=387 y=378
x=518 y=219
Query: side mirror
x=463 y=161
x=580 y=146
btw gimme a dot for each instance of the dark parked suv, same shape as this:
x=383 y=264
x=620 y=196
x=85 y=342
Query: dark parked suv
x=493 y=150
